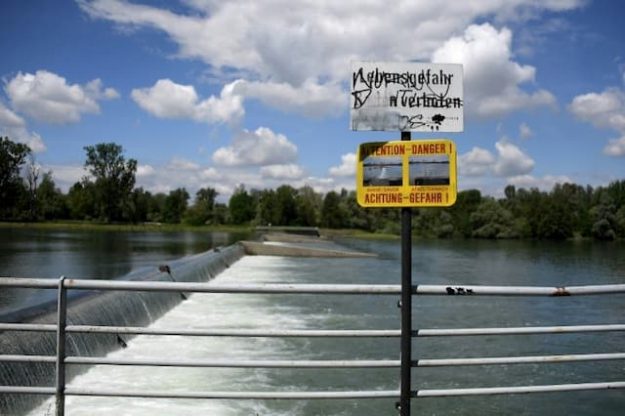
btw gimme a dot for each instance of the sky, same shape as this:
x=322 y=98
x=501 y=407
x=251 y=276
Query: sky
x=211 y=93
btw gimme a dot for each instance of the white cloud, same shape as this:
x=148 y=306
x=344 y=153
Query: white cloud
x=9 y=119
x=615 y=147
x=178 y=163
x=604 y=110
x=145 y=170
x=525 y=132
x=65 y=176
x=46 y=96
x=546 y=183
x=347 y=166
x=14 y=127
x=290 y=171
x=166 y=99
x=477 y=162
x=282 y=45
x=491 y=78
x=309 y=99
x=260 y=147
x=510 y=161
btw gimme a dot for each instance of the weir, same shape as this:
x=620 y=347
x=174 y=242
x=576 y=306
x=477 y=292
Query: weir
x=101 y=309
x=152 y=371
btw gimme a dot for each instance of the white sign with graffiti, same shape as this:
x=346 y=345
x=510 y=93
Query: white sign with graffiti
x=410 y=96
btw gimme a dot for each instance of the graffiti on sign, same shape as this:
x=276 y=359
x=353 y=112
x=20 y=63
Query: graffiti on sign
x=406 y=97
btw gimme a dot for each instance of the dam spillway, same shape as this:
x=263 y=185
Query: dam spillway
x=95 y=308
x=311 y=312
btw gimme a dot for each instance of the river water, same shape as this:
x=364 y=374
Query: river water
x=434 y=262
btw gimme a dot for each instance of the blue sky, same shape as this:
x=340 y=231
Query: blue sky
x=220 y=93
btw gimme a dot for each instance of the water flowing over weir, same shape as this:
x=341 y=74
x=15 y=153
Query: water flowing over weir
x=93 y=308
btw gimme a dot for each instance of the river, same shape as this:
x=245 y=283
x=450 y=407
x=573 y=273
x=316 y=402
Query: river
x=434 y=262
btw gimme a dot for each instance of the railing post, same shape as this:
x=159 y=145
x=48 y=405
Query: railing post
x=406 y=304
x=60 y=347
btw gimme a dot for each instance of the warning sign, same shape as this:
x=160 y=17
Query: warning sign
x=407 y=174
x=408 y=96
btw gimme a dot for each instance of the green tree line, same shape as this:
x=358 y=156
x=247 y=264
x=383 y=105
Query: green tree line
x=109 y=195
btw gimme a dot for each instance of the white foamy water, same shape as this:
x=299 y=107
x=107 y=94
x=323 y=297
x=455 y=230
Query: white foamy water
x=214 y=311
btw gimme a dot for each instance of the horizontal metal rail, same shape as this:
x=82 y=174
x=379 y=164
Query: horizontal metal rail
x=27 y=390
x=312 y=395
x=207 y=363
x=321 y=289
x=523 y=330
x=438 y=362
x=27 y=358
x=489 y=391
x=343 y=289
x=134 y=330
x=452 y=362
x=285 y=333
x=452 y=290
x=237 y=363
x=312 y=333
x=239 y=395
x=158 y=286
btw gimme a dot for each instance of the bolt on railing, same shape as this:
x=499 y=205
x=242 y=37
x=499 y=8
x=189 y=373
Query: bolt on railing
x=62 y=329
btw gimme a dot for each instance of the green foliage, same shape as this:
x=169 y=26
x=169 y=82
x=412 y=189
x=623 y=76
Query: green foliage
x=109 y=195
x=491 y=220
x=114 y=179
x=242 y=206
x=13 y=193
x=202 y=211
x=307 y=207
x=175 y=205
x=51 y=203
x=332 y=214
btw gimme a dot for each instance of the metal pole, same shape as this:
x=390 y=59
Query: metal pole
x=60 y=347
x=406 y=303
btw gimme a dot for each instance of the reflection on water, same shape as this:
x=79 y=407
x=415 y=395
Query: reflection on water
x=80 y=254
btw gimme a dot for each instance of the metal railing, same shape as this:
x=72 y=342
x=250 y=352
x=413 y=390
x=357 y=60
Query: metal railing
x=61 y=328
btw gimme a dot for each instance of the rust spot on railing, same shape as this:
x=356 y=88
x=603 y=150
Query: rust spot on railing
x=561 y=291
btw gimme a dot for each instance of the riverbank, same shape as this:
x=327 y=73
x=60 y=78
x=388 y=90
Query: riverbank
x=161 y=227
x=142 y=227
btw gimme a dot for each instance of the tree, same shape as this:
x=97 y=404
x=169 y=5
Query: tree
x=50 y=200
x=268 y=209
x=156 y=207
x=138 y=207
x=175 y=205
x=81 y=200
x=466 y=203
x=114 y=178
x=241 y=206
x=286 y=205
x=12 y=157
x=32 y=179
x=491 y=220
x=332 y=216
x=203 y=208
x=308 y=207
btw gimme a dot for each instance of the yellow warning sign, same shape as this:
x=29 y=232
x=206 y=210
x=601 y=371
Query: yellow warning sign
x=407 y=174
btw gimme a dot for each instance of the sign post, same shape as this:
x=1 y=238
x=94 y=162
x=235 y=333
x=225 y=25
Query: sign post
x=406 y=304
x=406 y=97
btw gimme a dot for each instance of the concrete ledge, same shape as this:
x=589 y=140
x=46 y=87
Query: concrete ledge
x=260 y=249
x=291 y=238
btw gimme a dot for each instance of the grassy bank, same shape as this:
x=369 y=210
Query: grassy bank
x=150 y=227
x=144 y=227
x=353 y=233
